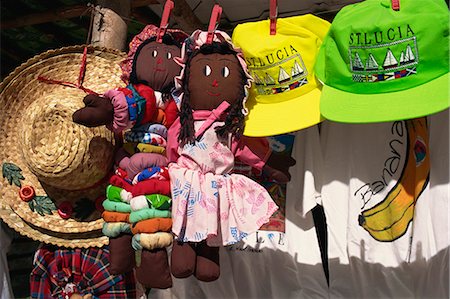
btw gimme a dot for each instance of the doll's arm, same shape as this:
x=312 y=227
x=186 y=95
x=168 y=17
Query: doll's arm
x=256 y=152
x=172 y=141
x=252 y=151
x=118 y=109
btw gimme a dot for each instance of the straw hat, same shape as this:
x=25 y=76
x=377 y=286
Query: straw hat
x=66 y=164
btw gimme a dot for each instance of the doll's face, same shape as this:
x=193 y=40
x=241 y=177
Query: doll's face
x=214 y=78
x=155 y=65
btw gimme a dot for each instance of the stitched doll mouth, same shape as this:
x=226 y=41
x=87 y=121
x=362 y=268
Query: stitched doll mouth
x=212 y=93
x=160 y=70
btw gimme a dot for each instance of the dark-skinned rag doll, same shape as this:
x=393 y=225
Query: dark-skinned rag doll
x=141 y=187
x=212 y=206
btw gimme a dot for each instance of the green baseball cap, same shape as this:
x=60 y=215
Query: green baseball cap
x=379 y=64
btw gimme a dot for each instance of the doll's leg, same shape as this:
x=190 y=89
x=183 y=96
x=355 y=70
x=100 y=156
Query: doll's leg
x=121 y=254
x=208 y=265
x=183 y=259
x=153 y=272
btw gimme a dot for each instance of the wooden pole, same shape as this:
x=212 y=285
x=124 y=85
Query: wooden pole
x=109 y=29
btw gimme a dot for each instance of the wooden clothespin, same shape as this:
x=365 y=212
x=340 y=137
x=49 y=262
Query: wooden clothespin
x=164 y=20
x=213 y=22
x=395 y=5
x=273 y=14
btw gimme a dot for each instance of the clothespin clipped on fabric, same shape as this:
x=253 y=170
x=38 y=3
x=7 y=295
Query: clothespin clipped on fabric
x=395 y=4
x=213 y=22
x=164 y=20
x=273 y=14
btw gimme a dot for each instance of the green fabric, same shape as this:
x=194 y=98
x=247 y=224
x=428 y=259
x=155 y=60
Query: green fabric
x=113 y=193
x=143 y=214
x=159 y=201
x=393 y=67
x=115 y=206
x=114 y=229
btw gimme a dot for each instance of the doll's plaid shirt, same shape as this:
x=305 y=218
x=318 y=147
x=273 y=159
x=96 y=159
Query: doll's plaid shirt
x=57 y=273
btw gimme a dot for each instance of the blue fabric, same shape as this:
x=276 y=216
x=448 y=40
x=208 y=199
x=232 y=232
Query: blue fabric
x=136 y=105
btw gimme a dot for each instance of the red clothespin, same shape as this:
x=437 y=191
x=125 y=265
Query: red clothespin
x=395 y=4
x=164 y=20
x=273 y=16
x=213 y=22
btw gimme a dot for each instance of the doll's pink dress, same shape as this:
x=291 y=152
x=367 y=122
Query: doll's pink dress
x=209 y=202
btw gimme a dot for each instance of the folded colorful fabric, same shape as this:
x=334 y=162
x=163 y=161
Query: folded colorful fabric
x=152 y=225
x=116 y=206
x=136 y=216
x=151 y=241
x=160 y=173
x=155 y=201
x=113 y=229
x=140 y=161
x=152 y=128
x=109 y=216
x=142 y=137
x=114 y=193
x=151 y=186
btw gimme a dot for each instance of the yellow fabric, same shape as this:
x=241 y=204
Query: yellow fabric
x=285 y=94
x=150 y=148
x=156 y=240
x=134 y=147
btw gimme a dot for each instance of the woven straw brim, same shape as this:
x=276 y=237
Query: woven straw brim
x=23 y=97
x=93 y=239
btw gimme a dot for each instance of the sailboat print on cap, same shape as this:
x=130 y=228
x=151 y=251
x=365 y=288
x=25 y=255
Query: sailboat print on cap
x=269 y=80
x=283 y=76
x=371 y=63
x=357 y=63
x=258 y=80
x=390 y=61
x=296 y=70
x=409 y=56
x=367 y=63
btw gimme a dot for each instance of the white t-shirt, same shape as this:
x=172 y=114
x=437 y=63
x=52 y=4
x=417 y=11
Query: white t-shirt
x=283 y=259
x=379 y=245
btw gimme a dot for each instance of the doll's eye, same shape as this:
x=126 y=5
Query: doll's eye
x=154 y=53
x=225 y=72
x=169 y=55
x=207 y=70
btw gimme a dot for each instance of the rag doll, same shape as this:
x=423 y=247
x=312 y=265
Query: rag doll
x=212 y=206
x=142 y=111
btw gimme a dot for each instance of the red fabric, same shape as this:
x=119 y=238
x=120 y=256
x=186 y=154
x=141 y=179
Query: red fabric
x=151 y=186
x=150 y=105
x=171 y=112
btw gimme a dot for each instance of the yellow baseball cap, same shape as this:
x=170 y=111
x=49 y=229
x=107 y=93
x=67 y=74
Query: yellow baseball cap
x=285 y=94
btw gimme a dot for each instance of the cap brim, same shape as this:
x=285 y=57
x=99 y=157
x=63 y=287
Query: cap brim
x=283 y=117
x=425 y=99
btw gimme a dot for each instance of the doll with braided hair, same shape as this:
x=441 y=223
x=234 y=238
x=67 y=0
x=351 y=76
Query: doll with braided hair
x=212 y=206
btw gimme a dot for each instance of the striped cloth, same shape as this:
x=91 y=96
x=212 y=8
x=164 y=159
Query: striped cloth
x=145 y=137
x=59 y=272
